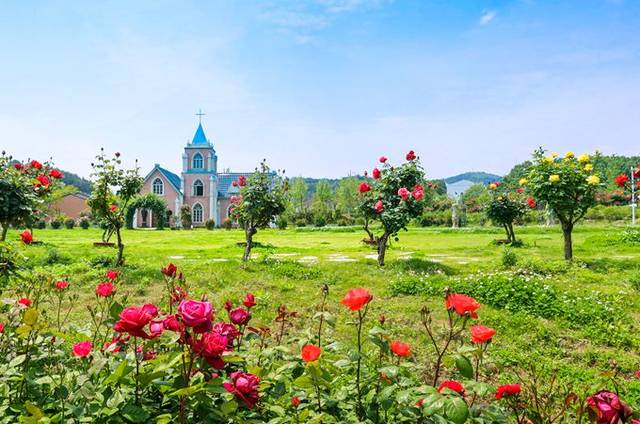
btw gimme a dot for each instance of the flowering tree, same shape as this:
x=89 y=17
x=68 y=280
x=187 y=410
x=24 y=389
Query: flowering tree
x=393 y=197
x=629 y=182
x=505 y=207
x=112 y=190
x=261 y=200
x=24 y=190
x=567 y=185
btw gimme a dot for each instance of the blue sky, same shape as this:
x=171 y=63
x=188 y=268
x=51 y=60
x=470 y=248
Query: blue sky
x=320 y=87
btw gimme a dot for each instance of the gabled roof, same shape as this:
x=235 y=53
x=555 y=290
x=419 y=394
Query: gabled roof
x=225 y=182
x=199 y=137
x=173 y=179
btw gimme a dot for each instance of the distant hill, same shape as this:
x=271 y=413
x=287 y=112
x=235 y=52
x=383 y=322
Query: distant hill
x=82 y=184
x=474 y=177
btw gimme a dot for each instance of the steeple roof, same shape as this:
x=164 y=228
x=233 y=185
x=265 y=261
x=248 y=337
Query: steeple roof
x=199 y=137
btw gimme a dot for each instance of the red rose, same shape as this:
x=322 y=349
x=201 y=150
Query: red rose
x=295 y=401
x=111 y=275
x=451 y=385
x=310 y=353
x=134 y=319
x=411 y=155
x=242 y=181
x=520 y=190
x=364 y=187
x=401 y=349
x=239 y=316
x=36 y=164
x=172 y=323
x=61 y=285
x=235 y=184
x=607 y=408
x=26 y=237
x=356 y=299
x=54 y=173
x=156 y=328
x=463 y=305
x=82 y=349
x=621 y=180
x=43 y=180
x=105 y=289
x=197 y=315
x=211 y=346
x=18 y=166
x=507 y=390
x=403 y=193
x=418 y=192
x=379 y=206
x=383 y=159
x=249 y=300
x=481 y=334
x=244 y=387
x=532 y=202
x=113 y=208
x=1 y=327
x=170 y=270
x=25 y=301
x=376 y=173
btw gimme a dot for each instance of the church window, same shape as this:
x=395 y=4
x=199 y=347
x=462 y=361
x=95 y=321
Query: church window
x=197 y=213
x=198 y=161
x=158 y=186
x=198 y=188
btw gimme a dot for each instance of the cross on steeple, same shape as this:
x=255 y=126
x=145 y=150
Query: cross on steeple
x=200 y=114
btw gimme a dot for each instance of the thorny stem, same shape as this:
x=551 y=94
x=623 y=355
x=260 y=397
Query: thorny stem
x=325 y=292
x=135 y=354
x=361 y=316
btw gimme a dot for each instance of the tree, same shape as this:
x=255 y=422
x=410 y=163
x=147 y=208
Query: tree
x=504 y=208
x=323 y=201
x=393 y=197
x=567 y=185
x=113 y=189
x=298 y=190
x=24 y=191
x=347 y=195
x=261 y=200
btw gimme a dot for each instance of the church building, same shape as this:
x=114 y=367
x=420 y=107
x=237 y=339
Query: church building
x=199 y=185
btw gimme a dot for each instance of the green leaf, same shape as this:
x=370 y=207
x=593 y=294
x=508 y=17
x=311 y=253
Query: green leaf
x=33 y=410
x=464 y=366
x=135 y=414
x=30 y=316
x=457 y=410
x=17 y=361
x=122 y=370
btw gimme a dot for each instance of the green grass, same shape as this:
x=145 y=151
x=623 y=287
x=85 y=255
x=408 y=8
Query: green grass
x=574 y=318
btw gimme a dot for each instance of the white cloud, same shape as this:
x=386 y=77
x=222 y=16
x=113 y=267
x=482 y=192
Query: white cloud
x=487 y=17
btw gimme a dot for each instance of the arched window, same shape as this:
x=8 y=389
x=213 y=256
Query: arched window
x=158 y=186
x=197 y=213
x=198 y=161
x=198 y=188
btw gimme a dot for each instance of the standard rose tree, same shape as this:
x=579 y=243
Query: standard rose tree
x=24 y=189
x=505 y=208
x=393 y=197
x=567 y=185
x=261 y=200
x=113 y=188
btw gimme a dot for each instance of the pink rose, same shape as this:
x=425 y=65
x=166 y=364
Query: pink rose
x=82 y=349
x=403 y=193
x=244 y=387
x=196 y=314
x=239 y=316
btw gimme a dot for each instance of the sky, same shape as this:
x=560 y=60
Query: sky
x=320 y=88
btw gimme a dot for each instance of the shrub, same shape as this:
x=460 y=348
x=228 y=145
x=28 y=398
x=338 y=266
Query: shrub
x=85 y=223
x=630 y=236
x=57 y=222
x=301 y=223
x=282 y=222
x=509 y=257
x=69 y=223
x=319 y=221
x=41 y=224
x=227 y=223
x=210 y=224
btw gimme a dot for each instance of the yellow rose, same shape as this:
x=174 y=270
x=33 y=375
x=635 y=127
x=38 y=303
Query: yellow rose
x=588 y=167
x=554 y=155
x=547 y=160
x=523 y=181
x=593 y=180
x=569 y=155
x=493 y=186
x=584 y=158
x=554 y=178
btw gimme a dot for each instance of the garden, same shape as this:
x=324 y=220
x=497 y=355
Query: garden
x=494 y=324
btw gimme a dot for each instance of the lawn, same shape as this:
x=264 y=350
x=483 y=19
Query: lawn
x=577 y=320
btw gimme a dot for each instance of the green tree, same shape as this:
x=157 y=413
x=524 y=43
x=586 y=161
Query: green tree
x=323 y=200
x=113 y=189
x=504 y=208
x=261 y=200
x=393 y=197
x=347 y=195
x=568 y=185
x=298 y=190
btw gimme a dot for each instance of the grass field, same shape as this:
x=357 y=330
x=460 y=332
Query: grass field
x=576 y=319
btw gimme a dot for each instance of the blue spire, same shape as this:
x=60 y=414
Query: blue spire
x=199 y=137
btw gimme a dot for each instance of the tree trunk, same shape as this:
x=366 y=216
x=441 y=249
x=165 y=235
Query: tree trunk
x=249 y=232
x=513 y=234
x=506 y=229
x=382 y=248
x=120 y=258
x=369 y=233
x=5 y=228
x=567 y=228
